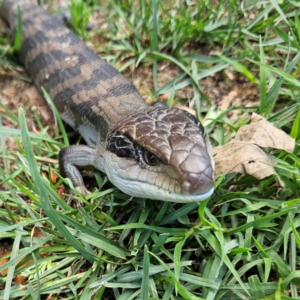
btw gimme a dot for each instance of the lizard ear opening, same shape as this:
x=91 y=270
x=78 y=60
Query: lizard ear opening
x=121 y=145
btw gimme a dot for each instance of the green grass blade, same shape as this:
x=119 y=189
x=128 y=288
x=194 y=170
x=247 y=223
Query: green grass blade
x=155 y=41
x=145 y=279
x=240 y=68
x=256 y=287
x=263 y=80
x=11 y=269
x=42 y=191
x=18 y=34
x=295 y=133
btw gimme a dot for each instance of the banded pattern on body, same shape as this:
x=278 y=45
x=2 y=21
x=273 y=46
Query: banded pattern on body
x=78 y=80
x=155 y=152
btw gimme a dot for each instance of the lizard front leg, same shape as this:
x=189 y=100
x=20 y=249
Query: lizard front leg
x=72 y=157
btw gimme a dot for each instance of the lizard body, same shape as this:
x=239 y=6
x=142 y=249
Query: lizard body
x=153 y=152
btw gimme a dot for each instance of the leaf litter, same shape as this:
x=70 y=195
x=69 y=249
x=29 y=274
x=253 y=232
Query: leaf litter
x=244 y=153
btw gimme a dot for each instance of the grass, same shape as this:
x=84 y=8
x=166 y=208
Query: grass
x=243 y=243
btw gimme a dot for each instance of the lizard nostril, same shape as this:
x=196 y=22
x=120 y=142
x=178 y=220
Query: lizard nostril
x=197 y=183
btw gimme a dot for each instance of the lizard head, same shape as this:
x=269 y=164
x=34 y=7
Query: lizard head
x=161 y=153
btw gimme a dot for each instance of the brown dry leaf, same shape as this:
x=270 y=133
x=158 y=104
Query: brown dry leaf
x=243 y=154
x=228 y=99
x=20 y=279
x=3 y=261
x=264 y=134
x=61 y=190
x=37 y=233
x=244 y=158
x=53 y=177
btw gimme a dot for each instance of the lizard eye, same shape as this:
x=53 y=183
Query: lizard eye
x=150 y=158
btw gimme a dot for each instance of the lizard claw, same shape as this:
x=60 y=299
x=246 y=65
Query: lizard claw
x=82 y=190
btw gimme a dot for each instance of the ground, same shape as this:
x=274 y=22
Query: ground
x=241 y=244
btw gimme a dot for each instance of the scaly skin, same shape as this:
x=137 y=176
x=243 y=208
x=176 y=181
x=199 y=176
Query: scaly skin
x=154 y=152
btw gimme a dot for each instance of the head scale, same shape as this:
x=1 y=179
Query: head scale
x=171 y=150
